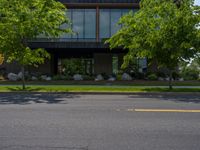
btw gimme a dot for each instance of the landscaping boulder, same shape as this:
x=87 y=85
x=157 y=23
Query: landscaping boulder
x=33 y=78
x=43 y=77
x=20 y=75
x=99 y=78
x=161 y=79
x=48 y=79
x=167 y=79
x=12 y=77
x=77 y=77
x=126 y=76
x=180 y=79
x=112 y=79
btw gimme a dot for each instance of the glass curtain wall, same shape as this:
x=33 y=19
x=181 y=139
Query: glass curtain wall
x=90 y=24
x=109 y=19
x=83 y=23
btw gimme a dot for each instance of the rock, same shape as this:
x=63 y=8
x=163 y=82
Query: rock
x=160 y=79
x=12 y=77
x=126 y=76
x=167 y=79
x=180 y=79
x=77 y=77
x=99 y=78
x=33 y=78
x=48 y=79
x=43 y=77
x=20 y=75
x=111 y=79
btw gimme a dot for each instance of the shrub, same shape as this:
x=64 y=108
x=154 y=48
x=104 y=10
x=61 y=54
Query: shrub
x=119 y=77
x=62 y=77
x=87 y=77
x=175 y=75
x=152 y=77
x=105 y=76
x=190 y=74
x=161 y=74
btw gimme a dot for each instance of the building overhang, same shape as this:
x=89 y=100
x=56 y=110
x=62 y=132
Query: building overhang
x=67 y=45
x=101 y=3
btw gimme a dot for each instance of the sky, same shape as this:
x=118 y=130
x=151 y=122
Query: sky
x=197 y=2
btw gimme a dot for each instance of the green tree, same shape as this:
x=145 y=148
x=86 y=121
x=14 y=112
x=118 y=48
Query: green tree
x=162 y=30
x=24 y=20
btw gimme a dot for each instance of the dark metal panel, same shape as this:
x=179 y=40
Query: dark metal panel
x=66 y=45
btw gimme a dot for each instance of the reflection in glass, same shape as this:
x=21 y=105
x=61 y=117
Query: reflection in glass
x=90 y=23
x=115 y=16
x=77 y=26
x=104 y=23
x=65 y=36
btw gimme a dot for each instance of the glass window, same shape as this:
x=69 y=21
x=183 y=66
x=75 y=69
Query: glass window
x=90 y=23
x=78 y=22
x=115 y=16
x=115 y=64
x=64 y=26
x=125 y=11
x=104 y=23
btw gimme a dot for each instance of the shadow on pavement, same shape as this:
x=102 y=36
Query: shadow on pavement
x=185 y=98
x=29 y=98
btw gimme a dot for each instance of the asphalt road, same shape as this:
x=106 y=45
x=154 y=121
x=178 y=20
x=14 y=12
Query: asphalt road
x=99 y=122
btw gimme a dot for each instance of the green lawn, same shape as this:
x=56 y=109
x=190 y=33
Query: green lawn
x=92 y=88
x=126 y=83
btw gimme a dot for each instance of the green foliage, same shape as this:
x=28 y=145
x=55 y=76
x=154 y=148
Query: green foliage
x=190 y=70
x=29 y=57
x=176 y=75
x=190 y=73
x=61 y=77
x=24 y=20
x=164 y=31
x=130 y=65
x=88 y=77
x=73 y=66
x=161 y=74
x=152 y=77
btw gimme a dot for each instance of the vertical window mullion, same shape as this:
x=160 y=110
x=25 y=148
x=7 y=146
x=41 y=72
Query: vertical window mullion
x=84 y=23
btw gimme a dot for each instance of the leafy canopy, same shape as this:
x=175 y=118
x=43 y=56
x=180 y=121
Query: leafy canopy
x=163 y=30
x=24 y=20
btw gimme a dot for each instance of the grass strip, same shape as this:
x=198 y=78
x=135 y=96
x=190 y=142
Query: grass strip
x=119 y=83
x=92 y=88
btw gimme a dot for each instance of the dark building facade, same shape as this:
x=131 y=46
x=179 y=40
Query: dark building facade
x=93 y=21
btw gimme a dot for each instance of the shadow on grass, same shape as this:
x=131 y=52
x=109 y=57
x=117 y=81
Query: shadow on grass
x=28 y=89
x=34 y=98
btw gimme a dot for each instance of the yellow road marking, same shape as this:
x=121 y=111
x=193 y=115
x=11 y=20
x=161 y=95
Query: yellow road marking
x=165 y=110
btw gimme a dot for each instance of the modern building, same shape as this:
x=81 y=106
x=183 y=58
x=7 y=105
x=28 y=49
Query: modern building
x=93 y=21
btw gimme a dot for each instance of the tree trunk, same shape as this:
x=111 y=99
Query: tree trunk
x=170 y=79
x=23 y=78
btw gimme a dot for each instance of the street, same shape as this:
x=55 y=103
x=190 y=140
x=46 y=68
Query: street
x=35 y=121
